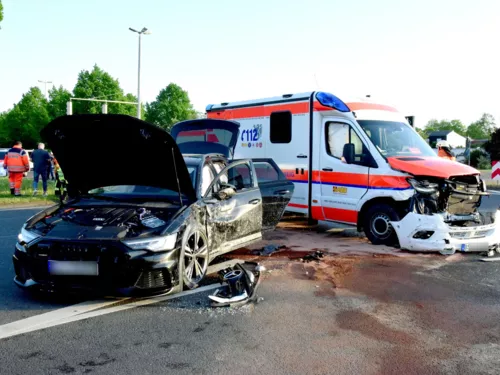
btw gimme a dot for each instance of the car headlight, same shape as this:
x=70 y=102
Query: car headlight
x=423 y=187
x=27 y=236
x=161 y=243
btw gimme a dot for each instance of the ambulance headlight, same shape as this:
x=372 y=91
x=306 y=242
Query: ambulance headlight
x=423 y=187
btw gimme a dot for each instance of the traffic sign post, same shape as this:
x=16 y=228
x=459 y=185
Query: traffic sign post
x=495 y=170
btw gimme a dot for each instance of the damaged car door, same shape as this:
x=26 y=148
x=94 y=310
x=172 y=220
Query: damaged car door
x=234 y=208
x=276 y=191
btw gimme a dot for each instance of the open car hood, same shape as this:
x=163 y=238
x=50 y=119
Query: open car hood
x=108 y=150
x=205 y=136
x=431 y=166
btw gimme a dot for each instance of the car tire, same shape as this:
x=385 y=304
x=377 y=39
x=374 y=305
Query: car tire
x=377 y=227
x=194 y=257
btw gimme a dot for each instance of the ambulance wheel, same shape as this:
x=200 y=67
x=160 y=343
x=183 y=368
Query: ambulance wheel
x=377 y=224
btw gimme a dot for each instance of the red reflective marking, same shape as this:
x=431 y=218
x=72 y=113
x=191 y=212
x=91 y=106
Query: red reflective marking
x=261 y=111
x=360 y=106
x=339 y=214
x=317 y=213
x=296 y=205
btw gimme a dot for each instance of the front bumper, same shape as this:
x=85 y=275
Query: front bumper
x=445 y=239
x=121 y=271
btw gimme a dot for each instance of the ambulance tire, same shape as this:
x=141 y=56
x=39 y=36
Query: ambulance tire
x=377 y=227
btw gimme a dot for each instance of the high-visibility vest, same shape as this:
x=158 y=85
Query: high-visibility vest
x=16 y=160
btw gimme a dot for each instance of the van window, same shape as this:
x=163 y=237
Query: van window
x=281 y=127
x=338 y=135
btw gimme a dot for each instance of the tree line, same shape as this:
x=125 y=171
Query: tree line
x=27 y=117
x=480 y=129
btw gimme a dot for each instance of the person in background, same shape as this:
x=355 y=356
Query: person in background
x=61 y=184
x=51 y=168
x=444 y=151
x=16 y=162
x=41 y=165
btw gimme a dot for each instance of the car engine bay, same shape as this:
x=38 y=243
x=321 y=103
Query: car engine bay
x=103 y=222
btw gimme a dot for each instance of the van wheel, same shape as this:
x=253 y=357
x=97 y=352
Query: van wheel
x=377 y=227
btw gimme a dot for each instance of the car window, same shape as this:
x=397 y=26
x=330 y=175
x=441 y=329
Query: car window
x=240 y=176
x=2 y=155
x=265 y=172
x=340 y=134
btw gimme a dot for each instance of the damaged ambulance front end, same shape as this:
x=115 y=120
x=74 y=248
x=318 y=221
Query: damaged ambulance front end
x=443 y=214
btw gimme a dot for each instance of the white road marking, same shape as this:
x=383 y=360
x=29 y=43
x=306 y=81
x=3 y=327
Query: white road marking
x=494 y=192
x=63 y=316
x=10 y=329
x=490 y=259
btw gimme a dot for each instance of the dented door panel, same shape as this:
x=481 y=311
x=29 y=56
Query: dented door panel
x=234 y=221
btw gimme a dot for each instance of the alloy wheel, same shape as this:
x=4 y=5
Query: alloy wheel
x=195 y=258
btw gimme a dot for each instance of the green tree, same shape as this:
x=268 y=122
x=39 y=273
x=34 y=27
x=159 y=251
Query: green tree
x=1 y=11
x=171 y=106
x=98 y=84
x=58 y=99
x=26 y=119
x=483 y=128
x=421 y=132
x=4 y=133
x=435 y=125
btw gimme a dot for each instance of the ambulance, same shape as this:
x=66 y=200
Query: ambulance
x=360 y=163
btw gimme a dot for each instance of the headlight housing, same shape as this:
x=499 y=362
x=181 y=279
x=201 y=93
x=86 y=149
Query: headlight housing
x=423 y=187
x=27 y=235
x=161 y=243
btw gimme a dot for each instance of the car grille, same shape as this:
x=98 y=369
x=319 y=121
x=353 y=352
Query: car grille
x=154 y=279
x=113 y=262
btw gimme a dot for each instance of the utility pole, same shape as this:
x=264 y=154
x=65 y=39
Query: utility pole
x=45 y=82
x=146 y=32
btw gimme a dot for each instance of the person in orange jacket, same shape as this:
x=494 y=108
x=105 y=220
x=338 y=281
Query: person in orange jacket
x=16 y=162
x=444 y=151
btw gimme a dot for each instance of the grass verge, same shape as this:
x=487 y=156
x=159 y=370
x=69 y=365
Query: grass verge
x=27 y=198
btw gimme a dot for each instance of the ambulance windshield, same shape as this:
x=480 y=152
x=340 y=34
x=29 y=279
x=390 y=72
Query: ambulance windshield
x=395 y=139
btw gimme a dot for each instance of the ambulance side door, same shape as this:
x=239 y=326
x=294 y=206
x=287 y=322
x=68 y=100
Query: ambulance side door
x=345 y=163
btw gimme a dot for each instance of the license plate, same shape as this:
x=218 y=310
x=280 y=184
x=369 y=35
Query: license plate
x=73 y=268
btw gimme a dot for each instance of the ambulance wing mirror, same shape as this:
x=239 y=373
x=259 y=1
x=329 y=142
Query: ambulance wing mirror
x=348 y=153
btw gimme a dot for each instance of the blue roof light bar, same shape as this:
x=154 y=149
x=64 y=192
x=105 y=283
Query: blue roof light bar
x=329 y=100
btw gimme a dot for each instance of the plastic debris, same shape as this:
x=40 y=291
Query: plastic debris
x=317 y=255
x=239 y=285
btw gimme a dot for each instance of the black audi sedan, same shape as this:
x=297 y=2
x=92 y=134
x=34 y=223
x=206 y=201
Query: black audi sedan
x=145 y=214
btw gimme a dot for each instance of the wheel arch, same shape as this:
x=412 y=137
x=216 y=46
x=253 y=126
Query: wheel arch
x=400 y=206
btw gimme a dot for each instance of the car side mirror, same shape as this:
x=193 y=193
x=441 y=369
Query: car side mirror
x=225 y=193
x=348 y=153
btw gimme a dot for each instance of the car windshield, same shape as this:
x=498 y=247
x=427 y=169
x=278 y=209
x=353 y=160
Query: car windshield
x=139 y=191
x=2 y=154
x=394 y=139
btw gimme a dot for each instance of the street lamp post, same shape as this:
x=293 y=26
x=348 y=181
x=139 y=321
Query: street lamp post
x=45 y=82
x=146 y=32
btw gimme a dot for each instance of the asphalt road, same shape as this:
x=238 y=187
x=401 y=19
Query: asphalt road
x=345 y=315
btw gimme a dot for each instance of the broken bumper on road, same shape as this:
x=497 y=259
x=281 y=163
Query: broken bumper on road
x=430 y=233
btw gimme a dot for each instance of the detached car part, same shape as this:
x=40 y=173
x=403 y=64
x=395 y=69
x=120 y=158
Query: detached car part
x=241 y=283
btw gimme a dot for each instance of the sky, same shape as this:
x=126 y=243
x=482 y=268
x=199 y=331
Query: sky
x=431 y=59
